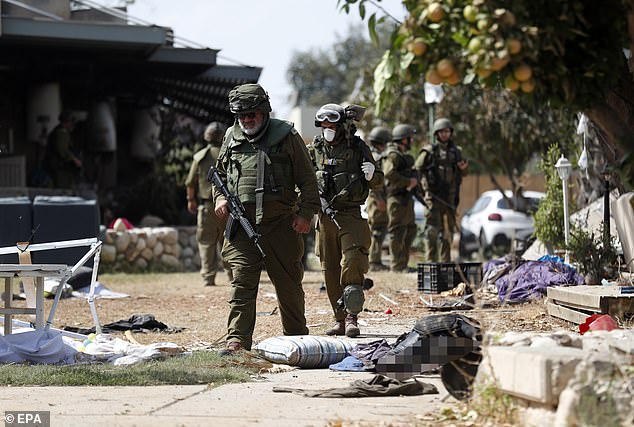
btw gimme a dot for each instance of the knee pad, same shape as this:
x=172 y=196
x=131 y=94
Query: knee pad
x=353 y=299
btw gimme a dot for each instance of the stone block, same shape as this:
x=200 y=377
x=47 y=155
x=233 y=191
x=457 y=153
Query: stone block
x=535 y=374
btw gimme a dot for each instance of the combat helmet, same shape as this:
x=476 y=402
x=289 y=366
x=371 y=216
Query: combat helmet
x=442 y=123
x=248 y=98
x=380 y=135
x=401 y=131
x=332 y=113
x=214 y=132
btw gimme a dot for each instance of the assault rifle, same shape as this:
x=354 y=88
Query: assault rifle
x=236 y=211
x=327 y=209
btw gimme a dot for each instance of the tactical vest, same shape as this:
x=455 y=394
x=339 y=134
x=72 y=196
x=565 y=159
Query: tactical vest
x=242 y=171
x=205 y=158
x=339 y=175
x=441 y=171
x=403 y=165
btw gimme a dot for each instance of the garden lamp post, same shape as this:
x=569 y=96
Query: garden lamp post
x=433 y=95
x=606 y=206
x=564 y=168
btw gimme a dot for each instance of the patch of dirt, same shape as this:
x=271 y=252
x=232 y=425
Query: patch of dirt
x=181 y=300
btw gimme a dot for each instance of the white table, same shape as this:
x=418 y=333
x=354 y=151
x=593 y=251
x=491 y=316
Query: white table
x=37 y=271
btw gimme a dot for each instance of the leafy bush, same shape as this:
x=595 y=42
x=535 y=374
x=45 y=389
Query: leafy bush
x=549 y=218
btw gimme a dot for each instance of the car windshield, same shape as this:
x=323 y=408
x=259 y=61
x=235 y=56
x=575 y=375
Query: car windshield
x=521 y=204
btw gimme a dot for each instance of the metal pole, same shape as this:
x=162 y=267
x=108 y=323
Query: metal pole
x=606 y=214
x=431 y=122
x=566 y=224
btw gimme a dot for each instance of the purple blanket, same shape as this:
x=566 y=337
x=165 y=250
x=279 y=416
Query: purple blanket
x=531 y=278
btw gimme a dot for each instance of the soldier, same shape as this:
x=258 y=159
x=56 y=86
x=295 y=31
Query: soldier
x=400 y=181
x=209 y=228
x=263 y=161
x=345 y=172
x=440 y=168
x=60 y=161
x=376 y=204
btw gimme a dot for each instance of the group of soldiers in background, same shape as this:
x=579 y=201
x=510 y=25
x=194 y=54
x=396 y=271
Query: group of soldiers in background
x=279 y=184
x=433 y=178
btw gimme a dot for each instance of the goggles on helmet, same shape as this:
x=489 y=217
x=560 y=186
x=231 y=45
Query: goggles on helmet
x=331 y=116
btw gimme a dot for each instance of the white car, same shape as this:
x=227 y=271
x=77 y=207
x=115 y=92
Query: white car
x=491 y=224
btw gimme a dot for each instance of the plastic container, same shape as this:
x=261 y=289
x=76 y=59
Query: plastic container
x=438 y=277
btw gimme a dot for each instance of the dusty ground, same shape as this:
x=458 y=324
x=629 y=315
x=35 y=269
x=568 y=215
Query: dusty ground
x=181 y=301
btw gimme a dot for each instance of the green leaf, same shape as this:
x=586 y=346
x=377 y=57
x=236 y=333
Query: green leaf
x=372 y=29
x=362 y=11
x=406 y=60
x=468 y=78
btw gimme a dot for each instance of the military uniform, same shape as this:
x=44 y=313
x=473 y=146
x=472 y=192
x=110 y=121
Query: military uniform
x=209 y=228
x=279 y=154
x=344 y=252
x=377 y=218
x=440 y=179
x=59 y=158
x=398 y=169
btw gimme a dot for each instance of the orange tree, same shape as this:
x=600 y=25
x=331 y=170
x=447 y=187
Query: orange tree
x=564 y=52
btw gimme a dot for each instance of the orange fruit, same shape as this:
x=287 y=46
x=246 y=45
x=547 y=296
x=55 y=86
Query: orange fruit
x=483 y=73
x=418 y=46
x=432 y=77
x=453 y=79
x=522 y=72
x=511 y=84
x=445 y=68
x=497 y=63
x=435 y=12
x=514 y=46
x=528 y=86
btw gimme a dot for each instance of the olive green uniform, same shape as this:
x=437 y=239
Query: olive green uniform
x=209 y=228
x=343 y=252
x=398 y=170
x=440 y=179
x=377 y=218
x=59 y=158
x=286 y=166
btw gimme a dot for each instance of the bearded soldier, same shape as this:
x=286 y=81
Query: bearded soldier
x=263 y=161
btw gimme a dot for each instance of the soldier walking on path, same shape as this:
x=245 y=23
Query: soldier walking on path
x=400 y=182
x=262 y=162
x=440 y=168
x=345 y=172
x=209 y=228
x=377 y=203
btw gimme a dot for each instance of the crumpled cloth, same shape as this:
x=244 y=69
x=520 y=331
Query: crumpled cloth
x=378 y=385
x=370 y=352
x=136 y=322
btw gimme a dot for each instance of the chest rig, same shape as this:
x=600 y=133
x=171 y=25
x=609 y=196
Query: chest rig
x=260 y=171
x=339 y=175
x=442 y=172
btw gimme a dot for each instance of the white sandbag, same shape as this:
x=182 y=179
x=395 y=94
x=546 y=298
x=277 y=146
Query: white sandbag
x=304 y=351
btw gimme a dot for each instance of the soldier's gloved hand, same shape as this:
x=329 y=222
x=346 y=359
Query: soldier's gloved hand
x=368 y=170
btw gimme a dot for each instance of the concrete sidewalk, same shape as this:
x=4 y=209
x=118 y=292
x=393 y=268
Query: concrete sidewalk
x=234 y=404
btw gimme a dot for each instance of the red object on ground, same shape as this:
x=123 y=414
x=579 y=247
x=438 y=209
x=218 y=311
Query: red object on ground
x=388 y=311
x=598 y=322
x=128 y=224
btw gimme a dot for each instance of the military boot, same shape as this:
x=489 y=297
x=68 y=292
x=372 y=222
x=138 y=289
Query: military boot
x=338 y=329
x=352 y=329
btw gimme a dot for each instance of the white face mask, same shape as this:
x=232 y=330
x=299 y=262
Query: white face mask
x=329 y=134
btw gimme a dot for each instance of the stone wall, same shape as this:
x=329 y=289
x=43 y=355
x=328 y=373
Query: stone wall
x=150 y=248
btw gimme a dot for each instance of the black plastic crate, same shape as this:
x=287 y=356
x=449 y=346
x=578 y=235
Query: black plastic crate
x=436 y=277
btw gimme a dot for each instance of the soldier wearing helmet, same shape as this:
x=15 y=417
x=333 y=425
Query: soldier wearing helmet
x=400 y=182
x=209 y=228
x=346 y=172
x=376 y=204
x=264 y=161
x=440 y=168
